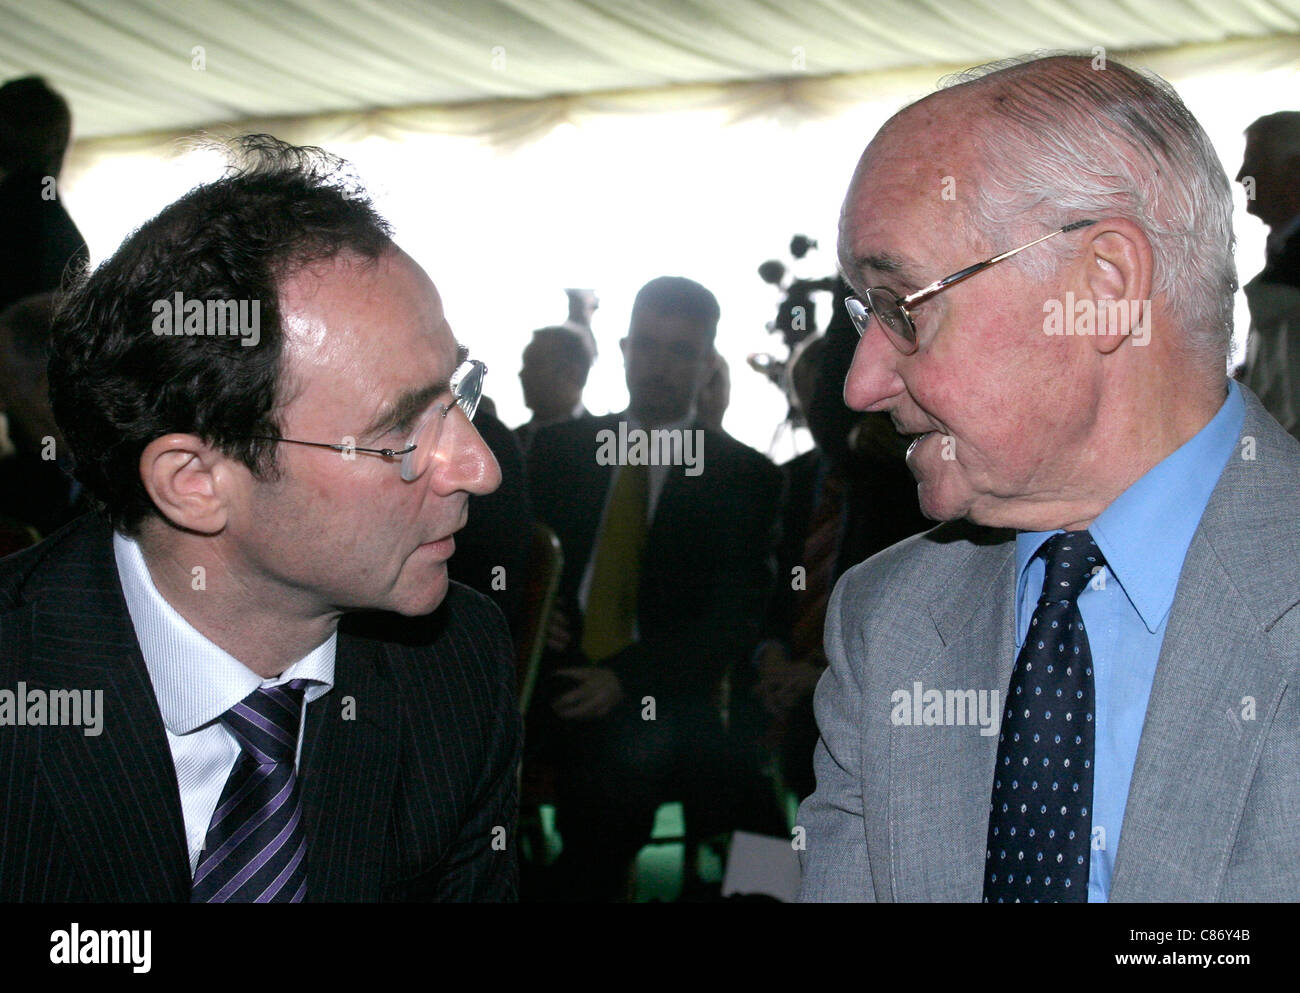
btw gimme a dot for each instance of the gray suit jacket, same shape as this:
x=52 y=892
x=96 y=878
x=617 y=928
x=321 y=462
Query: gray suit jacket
x=901 y=812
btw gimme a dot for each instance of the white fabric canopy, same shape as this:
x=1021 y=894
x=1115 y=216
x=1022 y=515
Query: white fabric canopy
x=144 y=65
x=505 y=202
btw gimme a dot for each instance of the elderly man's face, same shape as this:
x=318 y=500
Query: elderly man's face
x=346 y=532
x=996 y=404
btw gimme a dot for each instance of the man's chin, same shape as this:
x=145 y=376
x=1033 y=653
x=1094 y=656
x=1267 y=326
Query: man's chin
x=939 y=505
x=415 y=597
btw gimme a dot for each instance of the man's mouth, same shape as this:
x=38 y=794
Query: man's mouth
x=916 y=440
x=443 y=547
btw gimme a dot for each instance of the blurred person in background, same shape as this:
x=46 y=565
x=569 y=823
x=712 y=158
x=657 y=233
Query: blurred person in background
x=556 y=363
x=666 y=569
x=36 y=485
x=38 y=239
x=1270 y=174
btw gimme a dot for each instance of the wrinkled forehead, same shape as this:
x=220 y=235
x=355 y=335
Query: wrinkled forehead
x=914 y=178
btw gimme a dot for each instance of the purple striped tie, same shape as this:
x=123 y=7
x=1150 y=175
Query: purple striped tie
x=256 y=848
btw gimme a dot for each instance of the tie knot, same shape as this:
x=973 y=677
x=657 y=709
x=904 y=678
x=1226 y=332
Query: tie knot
x=1072 y=557
x=265 y=723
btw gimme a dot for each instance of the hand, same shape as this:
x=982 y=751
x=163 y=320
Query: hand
x=597 y=693
x=558 y=635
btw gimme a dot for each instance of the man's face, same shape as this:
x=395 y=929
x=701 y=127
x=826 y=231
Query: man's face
x=996 y=403
x=666 y=359
x=548 y=380
x=1268 y=174
x=344 y=531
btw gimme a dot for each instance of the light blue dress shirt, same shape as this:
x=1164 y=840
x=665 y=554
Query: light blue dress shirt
x=1144 y=535
x=195 y=683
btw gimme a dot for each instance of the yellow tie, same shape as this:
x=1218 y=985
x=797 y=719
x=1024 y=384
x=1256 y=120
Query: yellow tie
x=611 y=603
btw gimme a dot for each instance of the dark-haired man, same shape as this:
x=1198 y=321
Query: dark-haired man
x=294 y=702
x=666 y=527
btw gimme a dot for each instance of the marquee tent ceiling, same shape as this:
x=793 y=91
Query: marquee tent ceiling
x=129 y=66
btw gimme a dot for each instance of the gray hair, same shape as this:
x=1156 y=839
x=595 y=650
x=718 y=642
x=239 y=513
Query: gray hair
x=1084 y=141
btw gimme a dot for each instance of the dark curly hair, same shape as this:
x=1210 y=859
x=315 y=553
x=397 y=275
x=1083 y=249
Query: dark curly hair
x=115 y=385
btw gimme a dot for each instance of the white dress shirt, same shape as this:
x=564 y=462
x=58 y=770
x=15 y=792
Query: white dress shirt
x=196 y=682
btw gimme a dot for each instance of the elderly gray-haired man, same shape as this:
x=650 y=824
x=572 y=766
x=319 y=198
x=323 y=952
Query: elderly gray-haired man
x=1078 y=687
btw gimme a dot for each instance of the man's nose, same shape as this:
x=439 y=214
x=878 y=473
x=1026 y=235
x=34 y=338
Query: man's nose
x=463 y=460
x=873 y=377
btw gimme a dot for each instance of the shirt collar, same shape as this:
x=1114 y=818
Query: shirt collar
x=194 y=680
x=1146 y=531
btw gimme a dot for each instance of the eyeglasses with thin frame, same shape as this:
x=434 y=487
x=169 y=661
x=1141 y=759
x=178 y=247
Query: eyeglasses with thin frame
x=894 y=312
x=422 y=443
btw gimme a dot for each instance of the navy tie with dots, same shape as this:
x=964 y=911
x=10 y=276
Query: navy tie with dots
x=1040 y=819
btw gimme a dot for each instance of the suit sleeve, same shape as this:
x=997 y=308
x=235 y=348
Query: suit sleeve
x=835 y=864
x=483 y=865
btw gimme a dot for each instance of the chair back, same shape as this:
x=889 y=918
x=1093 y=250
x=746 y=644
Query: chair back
x=545 y=563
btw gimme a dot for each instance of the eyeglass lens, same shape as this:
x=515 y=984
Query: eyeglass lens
x=888 y=311
x=466 y=390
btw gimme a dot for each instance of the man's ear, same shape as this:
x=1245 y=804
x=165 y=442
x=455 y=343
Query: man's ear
x=189 y=481
x=1116 y=276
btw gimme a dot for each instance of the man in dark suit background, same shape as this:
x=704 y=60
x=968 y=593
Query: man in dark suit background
x=556 y=363
x=38 y=240
x=35 y=489
x=1270 y=173
x=282 y=478
x=666 y=568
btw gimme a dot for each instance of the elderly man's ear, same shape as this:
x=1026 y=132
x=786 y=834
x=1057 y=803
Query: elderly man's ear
x=1115 y=265
x=190 y=482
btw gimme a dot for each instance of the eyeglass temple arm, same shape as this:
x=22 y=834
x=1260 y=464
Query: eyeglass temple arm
x=388 y=452
x=924 y=292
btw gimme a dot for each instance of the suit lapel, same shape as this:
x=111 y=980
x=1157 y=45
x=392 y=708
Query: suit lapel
x=1219 y=681
x=116 y=793
x=349 y=768
x=1197 y=754
x=941 y=777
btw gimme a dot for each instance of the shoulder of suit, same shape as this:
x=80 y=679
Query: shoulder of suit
x=923 y=565
x=738 y=454
x=42 y=567
x=575 y=430
x=1250 y=518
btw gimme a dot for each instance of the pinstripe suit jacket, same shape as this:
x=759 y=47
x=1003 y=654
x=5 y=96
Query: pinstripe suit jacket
x=403 y=798
x=901 y=813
